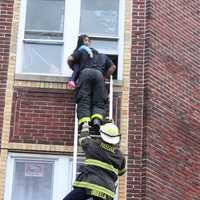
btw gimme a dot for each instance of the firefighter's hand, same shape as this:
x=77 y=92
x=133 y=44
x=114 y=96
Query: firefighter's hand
x=110 y=71
x=71 y=85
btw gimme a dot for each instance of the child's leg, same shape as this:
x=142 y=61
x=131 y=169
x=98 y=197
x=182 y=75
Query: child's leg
x=77 y=194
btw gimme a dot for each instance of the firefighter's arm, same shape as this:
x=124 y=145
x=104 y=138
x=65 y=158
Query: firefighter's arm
x=110 y=66
x=110 y=71
x=85 y=140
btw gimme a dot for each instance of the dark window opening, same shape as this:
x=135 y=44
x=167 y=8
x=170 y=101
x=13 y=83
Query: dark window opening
x=114 y=58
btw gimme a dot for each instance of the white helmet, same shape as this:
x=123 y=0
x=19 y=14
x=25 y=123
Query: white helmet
x=110 y=133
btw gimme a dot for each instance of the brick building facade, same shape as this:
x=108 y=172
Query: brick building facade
x=156 y=104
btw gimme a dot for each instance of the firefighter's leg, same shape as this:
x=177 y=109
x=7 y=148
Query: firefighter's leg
x=83 y=100
x=96 y=198
x=98 y=100
x=77 y=194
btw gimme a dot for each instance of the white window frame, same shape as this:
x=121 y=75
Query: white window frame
x=119 y=39
x=61 y=185
x=71 y=32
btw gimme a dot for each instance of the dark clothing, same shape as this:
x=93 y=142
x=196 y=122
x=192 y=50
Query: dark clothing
x=79 y=194
x=104 y=163
x=83 y=61
x=87 y=52
x=90 y=93
x=75 y=74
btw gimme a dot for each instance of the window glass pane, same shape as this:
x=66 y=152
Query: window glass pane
x=32 y=180
x=105 y=46
x=43 y=17
x=42 y=58
x=99 y=17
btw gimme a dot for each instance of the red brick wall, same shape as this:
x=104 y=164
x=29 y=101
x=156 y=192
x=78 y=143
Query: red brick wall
x=164 y=147
x=42 y=116
x=136 y=141
x=45 y=116
x=172 y=94
x=6 y=8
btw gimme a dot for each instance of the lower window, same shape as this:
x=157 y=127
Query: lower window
x=41 y=177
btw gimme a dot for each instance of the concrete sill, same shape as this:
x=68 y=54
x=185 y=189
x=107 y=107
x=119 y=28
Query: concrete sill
x=53 y=79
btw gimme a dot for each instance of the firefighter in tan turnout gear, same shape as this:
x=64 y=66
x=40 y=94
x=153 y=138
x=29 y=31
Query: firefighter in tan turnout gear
x=103 y=164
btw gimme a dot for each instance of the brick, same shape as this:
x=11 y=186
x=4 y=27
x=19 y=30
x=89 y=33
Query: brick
x=6 y=13
x=161 y=119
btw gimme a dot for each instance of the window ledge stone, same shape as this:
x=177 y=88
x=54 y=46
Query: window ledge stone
x=53 y=79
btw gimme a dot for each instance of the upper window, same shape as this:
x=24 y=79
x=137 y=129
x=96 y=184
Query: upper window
x=99 y=19
x=49 y=30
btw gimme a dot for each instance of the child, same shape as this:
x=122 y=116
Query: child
x=82 y=45
x=89 y=72
x=103 y=164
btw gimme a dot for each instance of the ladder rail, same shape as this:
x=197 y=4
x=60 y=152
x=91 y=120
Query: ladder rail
x=111 y=99
x=75 y=151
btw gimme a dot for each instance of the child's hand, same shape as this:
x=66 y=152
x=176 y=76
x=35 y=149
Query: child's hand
x=71 y=85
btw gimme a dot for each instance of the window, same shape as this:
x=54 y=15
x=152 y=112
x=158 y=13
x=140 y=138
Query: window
x=45 y=44
x=42 y=37
x=100 y=19
x=31 y=177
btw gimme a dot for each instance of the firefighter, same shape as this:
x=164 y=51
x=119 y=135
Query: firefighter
x=103 y=164
x=90 y=71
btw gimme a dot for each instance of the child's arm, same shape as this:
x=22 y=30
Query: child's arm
x=75 y=73
x=75 y=67
x=87 y=49
x=71 y=84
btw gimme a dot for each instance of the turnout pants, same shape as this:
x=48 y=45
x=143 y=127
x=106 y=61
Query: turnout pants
x=79 y=194
x=90 y=95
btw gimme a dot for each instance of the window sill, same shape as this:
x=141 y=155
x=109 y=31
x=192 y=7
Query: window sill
x=53 y=79
x=41 y=78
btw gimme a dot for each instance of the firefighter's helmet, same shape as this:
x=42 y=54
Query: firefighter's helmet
x=110 y=133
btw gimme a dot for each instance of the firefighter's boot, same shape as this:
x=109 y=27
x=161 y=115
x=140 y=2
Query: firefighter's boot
x=96 y=123
x=85 y=128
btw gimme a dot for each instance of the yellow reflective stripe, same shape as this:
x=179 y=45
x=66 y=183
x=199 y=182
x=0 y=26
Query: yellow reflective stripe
x=122 y=171
x=84 y=119
x=81 y=139
x=98 y=194
x=92 y=186
x=101 y=164
x=98 y=116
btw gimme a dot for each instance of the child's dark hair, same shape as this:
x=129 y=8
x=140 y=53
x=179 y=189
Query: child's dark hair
x=80 y=40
